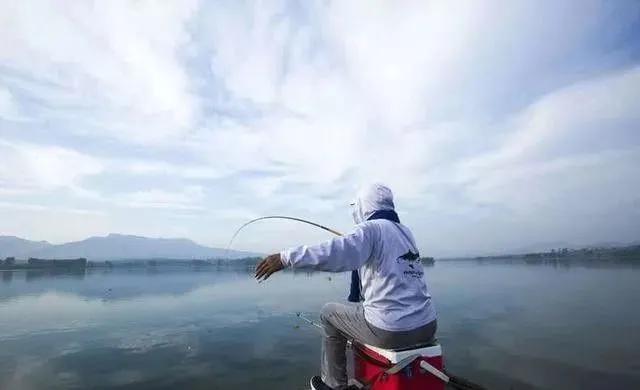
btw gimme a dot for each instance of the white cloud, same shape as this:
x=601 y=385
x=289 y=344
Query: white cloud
x=249 y=65
x=588 y=119
x=567 y=169
x=246 y=108
x=161 y=168
x=587 y=116
x=47 y=208
x=31 y=168
x=8 y=108
x=186 y=199
x=351 y=83
x=115 y=67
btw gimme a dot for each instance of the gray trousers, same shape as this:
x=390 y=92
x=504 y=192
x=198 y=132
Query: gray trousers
x=342 y=322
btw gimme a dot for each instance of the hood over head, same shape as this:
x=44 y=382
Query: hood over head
x=371 y=198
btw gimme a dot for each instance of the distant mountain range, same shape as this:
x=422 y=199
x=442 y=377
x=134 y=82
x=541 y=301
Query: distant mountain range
x=15 y=246
x=114 y=247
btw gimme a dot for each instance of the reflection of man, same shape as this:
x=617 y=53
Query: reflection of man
x=397 y=311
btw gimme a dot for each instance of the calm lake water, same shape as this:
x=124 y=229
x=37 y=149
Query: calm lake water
x=508 y=326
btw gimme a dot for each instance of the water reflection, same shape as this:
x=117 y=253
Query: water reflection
x=557 y=262
x=73 y=273
x=7 y=276
x=513 y=325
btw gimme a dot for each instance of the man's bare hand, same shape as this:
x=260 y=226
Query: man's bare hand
x=268 y=266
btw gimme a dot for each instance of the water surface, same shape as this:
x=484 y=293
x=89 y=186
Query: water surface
x=508 y=326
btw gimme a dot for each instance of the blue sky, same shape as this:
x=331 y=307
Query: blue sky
x=497 y=126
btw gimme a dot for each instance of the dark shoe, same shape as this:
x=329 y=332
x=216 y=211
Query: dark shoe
x=318 y=384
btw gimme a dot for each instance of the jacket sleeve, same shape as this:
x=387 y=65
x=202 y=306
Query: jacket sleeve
x=343 y=253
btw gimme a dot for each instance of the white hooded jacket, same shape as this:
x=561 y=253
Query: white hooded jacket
x=395 y=293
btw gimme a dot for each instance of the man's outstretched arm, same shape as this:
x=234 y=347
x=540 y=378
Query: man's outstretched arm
x=344 y=253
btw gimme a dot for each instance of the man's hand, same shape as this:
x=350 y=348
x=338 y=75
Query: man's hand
x=268 y=266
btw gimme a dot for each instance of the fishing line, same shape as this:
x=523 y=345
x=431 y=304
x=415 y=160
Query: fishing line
x=337 y=233
x=309 y=321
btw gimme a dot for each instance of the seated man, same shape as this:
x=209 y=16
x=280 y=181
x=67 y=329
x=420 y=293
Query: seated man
x=397 y=311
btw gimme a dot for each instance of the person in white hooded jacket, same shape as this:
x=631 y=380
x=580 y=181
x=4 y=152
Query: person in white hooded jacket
x=397 y=310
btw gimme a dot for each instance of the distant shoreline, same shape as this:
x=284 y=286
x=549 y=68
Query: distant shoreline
x=629 y=253
x=626 y=254
x=10 y=263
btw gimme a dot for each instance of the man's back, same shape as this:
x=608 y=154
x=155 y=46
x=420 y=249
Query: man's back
x=396 y=296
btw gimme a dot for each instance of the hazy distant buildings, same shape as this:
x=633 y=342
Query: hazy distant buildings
x=57 y=263
x=35 y=263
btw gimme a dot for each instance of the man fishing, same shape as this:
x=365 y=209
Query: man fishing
x=397 y=310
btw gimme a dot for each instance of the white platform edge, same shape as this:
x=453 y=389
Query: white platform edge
x=395 y=357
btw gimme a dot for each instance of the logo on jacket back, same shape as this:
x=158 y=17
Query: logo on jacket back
x=411 y=260
x=409 y=257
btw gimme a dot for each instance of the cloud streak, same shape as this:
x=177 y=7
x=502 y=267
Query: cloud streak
x=184 y=114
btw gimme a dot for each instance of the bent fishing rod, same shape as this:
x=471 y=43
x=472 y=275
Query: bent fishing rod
x=337 y=233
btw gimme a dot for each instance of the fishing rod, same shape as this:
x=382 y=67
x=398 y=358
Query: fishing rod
x=337 y=233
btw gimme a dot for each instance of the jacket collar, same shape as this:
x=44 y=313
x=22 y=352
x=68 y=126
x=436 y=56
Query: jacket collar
x=389 y=215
